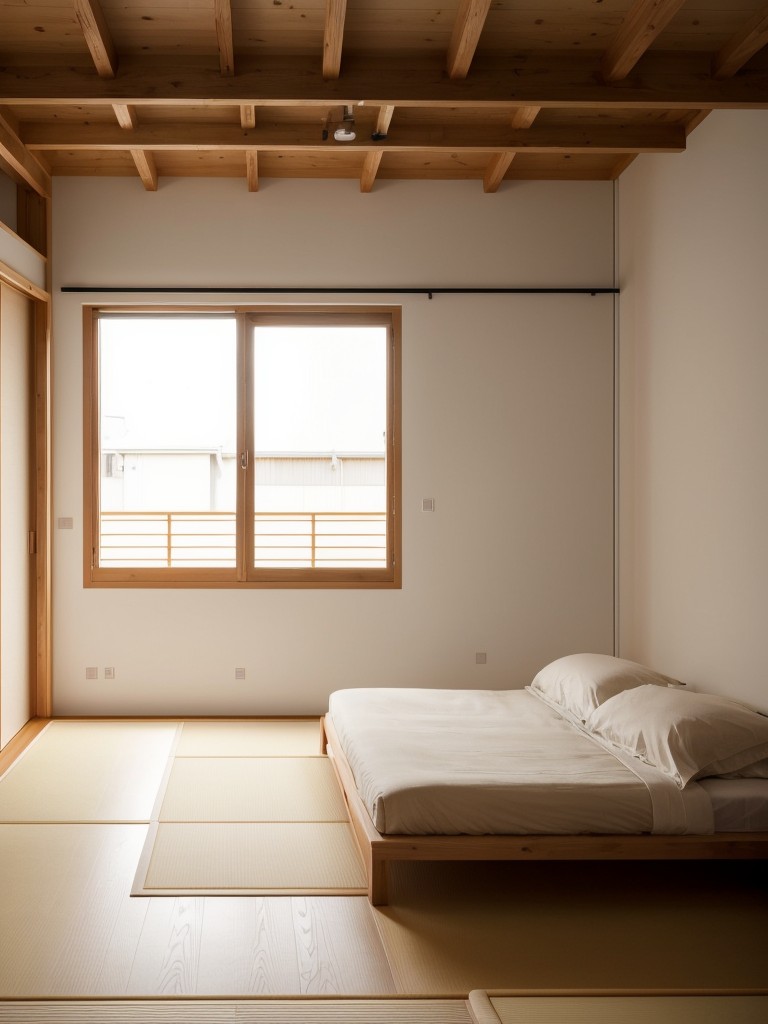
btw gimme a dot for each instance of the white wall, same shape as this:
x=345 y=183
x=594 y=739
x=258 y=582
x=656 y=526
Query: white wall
x=693 y=241
x=507 y=423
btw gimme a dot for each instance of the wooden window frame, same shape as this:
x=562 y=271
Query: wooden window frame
x=244 y=574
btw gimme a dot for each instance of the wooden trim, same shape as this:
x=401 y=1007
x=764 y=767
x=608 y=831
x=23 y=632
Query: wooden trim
x=467 y=28
x=378 y=849
x=16 y=746
x=222 y=13
x=333 y=37
x=90 y=441
x=245 y=477
x=16 y=280
x=97 y=36
x=742 y=46
x=42 y=697
x=644 y=22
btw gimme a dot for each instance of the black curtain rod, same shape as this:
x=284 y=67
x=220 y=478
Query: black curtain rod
x=346 y=291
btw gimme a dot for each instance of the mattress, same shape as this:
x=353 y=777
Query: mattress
x=452 y=762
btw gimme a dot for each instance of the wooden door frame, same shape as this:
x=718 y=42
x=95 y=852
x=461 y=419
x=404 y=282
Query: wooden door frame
x=41 y=698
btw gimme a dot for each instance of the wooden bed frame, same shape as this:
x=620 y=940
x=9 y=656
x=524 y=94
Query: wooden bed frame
x=378 y=850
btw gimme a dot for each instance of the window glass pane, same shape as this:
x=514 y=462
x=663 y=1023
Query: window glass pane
x=168 y=438
x=320 y=417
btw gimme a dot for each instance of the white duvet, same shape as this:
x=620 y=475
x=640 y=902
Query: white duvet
x=448 y=762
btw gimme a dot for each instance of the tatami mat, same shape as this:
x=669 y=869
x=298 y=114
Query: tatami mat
x=252 y=857
x=252 y=789
x=250 y=739
x=88 y=771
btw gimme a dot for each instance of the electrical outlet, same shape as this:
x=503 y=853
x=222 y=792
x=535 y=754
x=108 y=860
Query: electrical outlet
x=239 y=673
x=481 y=658
x=91 y=672
x=109 y=672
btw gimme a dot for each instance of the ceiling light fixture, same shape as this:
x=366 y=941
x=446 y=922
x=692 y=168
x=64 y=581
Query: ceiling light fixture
x=346 y=131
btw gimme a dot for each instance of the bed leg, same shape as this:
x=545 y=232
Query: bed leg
x=323 y=736
x=377 y=883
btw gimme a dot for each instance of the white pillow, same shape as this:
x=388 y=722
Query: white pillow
x=579 y=683
x=687 y=735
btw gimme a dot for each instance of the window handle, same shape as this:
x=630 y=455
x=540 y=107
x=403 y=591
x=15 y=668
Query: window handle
x=243 y=460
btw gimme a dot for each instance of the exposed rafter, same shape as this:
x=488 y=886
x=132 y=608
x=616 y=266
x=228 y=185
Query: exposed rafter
x=252 y=169
x=495 y=171
x=643 y=23
x=467 y=28
x=126 y=116
x=372 y=160
x=742 y=46
x=247 y=116
x=145 y=165
x=222 y=13
x=333 y=37
x=523 y=117
x=97 y=36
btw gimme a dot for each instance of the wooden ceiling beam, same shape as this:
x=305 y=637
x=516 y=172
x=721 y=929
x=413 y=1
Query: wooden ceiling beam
x=20 y=161
x=643 y=23
x=470 y=19
x=98 y=38
x=373 y=159
x=677 y=80
x=145 y=165
x=222 y=15
x=333 y=37
x=654 y=138
x=742 y=46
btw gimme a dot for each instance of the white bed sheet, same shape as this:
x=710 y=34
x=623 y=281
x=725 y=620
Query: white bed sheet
x=448 y=762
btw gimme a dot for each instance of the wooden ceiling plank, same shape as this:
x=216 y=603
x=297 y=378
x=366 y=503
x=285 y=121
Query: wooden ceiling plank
x=333 y=37
x=126 y=116
x=222 y=14
x=161 y=137
x=470 y=19
x=145 y=165
x=21 y=161
x=495 y=171
x=247 y=115
x=97 y=36
x=742 y=46
x=252 y=169
x=644 y=22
